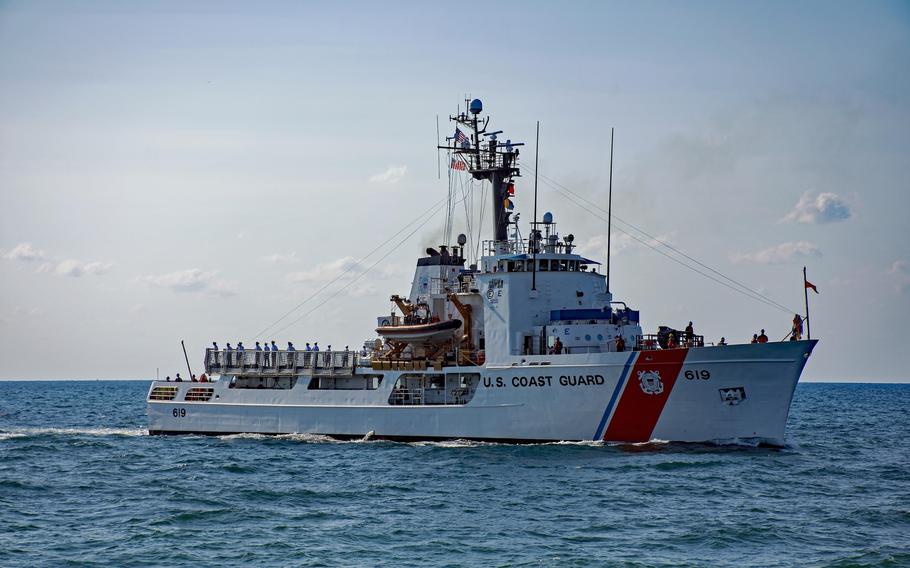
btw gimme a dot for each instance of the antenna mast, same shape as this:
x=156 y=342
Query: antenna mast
x=187 y=359
x=609 y=211
x=486 y=159
x=534 y=224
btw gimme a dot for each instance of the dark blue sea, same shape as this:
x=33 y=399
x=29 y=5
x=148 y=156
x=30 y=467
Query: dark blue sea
x=81 y=484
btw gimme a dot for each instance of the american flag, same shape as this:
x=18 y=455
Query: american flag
x=458 y=164
x=462 y=139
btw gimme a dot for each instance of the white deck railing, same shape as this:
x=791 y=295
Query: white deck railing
x=282 y=362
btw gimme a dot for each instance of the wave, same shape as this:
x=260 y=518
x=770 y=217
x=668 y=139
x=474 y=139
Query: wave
x=457 y=443
x=244 y=436
x=312 y=438
x=33 y=432
x=297 y=437
x=588 y=443
x=751 y=443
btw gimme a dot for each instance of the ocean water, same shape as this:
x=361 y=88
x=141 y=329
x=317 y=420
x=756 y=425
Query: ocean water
x=81 y=484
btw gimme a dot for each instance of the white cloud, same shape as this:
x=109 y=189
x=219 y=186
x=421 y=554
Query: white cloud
x=279 y=258
x=68 y=267
x=901 y=266
x=25 y=252
x=392 y=175
x=76 y=268
x=193 y=280
x=825 y=207
x=345 y=269
x=21 y=311
x=621 y=243
x=782 y=253
x=900 y=270
x=347 y=266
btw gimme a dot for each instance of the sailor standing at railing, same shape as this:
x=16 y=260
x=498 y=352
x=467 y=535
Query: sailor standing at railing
x=229 y=355
x=258 y=354
x=240 y=351
x=274 y=353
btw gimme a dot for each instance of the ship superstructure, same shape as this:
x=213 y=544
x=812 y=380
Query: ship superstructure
x=527 y=344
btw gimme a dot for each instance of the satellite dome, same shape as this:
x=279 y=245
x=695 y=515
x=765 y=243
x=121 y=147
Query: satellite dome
x=547 y=217
x=462 y=239
x=476 y=106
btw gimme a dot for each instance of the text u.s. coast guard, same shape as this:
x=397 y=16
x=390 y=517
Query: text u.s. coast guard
x=544 y=381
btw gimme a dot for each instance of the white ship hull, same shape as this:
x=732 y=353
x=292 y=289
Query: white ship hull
x=686 y=395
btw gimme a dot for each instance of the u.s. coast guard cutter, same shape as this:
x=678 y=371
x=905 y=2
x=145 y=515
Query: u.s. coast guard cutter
x=528 y=344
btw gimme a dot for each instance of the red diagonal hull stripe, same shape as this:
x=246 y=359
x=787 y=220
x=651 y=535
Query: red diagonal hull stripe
x=637 y=412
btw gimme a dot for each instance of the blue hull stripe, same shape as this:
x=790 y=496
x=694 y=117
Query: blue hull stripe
x=616 y=391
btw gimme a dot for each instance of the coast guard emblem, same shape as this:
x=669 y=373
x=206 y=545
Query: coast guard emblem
x=649 y=381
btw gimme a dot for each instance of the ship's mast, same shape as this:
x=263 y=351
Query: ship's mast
x=486 y=159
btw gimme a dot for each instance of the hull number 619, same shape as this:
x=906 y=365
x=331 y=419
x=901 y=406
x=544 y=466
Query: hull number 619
x=696 y=374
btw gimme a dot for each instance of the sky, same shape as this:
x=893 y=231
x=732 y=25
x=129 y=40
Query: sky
x=194 y=170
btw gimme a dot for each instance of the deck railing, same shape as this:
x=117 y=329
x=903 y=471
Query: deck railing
x=652 y=341
x=283 y=362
